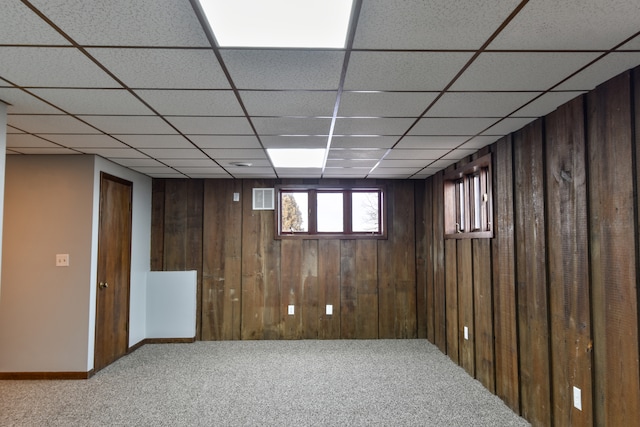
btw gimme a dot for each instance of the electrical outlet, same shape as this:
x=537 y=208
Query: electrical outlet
x=329 y=310
x=291 y=310
x=577 y=398
x=62 y=260
x=236 y=197
x=466 y=333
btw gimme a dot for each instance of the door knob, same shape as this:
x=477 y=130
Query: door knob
x=104 y=285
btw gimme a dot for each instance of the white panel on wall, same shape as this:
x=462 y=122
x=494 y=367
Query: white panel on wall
x=171 y=304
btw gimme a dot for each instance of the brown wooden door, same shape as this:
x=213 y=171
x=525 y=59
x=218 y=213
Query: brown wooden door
x=114 y=267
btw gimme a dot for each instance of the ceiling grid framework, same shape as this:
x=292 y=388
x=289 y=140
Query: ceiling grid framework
x=420 y=84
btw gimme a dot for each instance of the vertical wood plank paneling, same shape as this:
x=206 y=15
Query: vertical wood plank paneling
x=466 y=347
x=503 y=265
x=222 y=260
x=193 y=261
x=439 y=285
x=567 y=245
x=329 y=288
x=451 y=279
x=175 y=225
x=533 y=322
x=157 y=224
x=261 y=306
x=310 y=292
x=613 y=253
x=348 y=289
x=421 y=259
x=291 y=288
x=483 y=314
x=429 y=260
x=367 y=289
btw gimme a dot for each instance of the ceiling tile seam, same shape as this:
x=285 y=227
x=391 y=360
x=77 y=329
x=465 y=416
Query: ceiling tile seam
x=110 y=74
x=477 y=53
x=25 y=132
x=579 y=70
x=353 y=25
x=197 y=9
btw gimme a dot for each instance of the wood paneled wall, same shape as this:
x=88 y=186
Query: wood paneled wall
x=246 y=278
x=551 y=302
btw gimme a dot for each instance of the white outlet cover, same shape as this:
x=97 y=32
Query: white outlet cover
x=329 y=309
x=466 y=333
x=291 y=310
x=236 y=197
x=577 y=398
x=62 y=260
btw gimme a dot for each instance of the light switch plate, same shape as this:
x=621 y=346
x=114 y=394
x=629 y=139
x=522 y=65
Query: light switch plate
x=236 y=197
x=329 y=309
x=577 y=398
x=291 y=310
x=466 y=333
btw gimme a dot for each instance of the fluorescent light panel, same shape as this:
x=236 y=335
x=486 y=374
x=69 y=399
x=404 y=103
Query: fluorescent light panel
x=279 y=23
x=297 y=157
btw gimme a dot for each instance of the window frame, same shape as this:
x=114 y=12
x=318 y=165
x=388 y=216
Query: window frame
x=347 y=211
x=468 y=201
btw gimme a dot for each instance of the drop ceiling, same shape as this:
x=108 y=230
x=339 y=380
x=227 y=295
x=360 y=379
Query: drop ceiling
x=420 y=84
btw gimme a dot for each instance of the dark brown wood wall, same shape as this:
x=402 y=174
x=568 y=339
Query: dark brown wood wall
x=246 y=278
x=551 y=301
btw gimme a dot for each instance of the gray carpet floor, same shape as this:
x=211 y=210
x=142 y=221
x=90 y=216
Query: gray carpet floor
x=264 y=383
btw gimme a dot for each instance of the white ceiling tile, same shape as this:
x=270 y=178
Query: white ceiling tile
x=45 y=150
x=352 y=163
x=32 y=66
x=393 y=173
x=164 y=68
x=225 y=141
x=505 y=70
x=449 y=126
x=121 y=153
x=252 y=172
x=570 y=25
x=211 y=125
x=79 y=141
x=299 y=172
x=431 y=24
x=178 y=162
x=21 y=102
x=155 y=141
x=479 y=104
x=292 y=126
x=546 y=104
x=507 y=126
x=633 y=44
x=384 y=104
x=137 y=162
x=205 y=175
x=355 y=154
x=424 y=154
x=431 y=142
x=289 y=103
x=19 y=25
x=158 y=171
x=202 y=171
x=93 y=101
x=129 y=124
x=412 y=71
x=404 y=163
x=601 y=71
x=372 y=126
x=123 y=22
x=237 y=153
x=345 y=172
x=459 y=154
x=192 y=102
x=284 y=69
x=11 y=130
x=232 y=163
x=49 y=124
x=174 y=153
x=23 y=140
x=440 y=164
x=479 y=142
x=359 y=141
x=283 y=141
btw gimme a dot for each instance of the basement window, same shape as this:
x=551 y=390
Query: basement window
x=305 y=211
x=468 y=207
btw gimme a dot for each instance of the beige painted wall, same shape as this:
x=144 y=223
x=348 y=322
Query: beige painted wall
x=3 y=150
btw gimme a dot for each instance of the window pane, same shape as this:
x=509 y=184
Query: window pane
x=294 y=212
x=461 y=203
x=365 y=212
x=476 y=202
x=330 y=218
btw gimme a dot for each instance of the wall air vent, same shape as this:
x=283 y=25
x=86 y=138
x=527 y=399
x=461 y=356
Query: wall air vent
x=263 y=199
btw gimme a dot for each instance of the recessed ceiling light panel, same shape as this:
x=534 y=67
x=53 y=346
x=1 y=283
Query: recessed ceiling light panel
x=279 y=23
x=297 y=157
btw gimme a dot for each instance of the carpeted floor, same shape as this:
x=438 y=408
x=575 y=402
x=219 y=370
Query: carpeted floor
x=264 y=383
